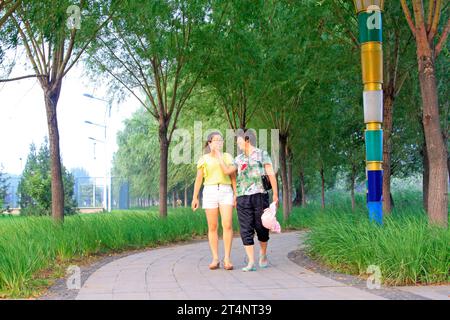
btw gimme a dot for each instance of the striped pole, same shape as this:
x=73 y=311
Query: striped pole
x=370 y=37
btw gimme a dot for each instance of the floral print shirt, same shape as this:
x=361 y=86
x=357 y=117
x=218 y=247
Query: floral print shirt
x=250 y=170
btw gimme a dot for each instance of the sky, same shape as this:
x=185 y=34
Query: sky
x=23 y=121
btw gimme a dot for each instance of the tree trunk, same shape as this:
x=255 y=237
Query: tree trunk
x=163 y=158
x=284 y=178
x=289 y=178
x=387 y=149
x=51 y=102
x=322 y=176
x=352 y=187
x=185 y=196
x=435 y=147
x=298 y=196
x=425 y=177
x=448 y=165
x=302 y=187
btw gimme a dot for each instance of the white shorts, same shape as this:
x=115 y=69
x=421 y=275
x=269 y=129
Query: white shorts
x=217 y=195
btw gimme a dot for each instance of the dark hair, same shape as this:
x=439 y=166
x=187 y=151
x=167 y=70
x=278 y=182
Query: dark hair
x=249 y=135
x=207 y=149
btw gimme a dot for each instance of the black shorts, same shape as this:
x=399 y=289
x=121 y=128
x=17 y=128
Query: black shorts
x=250 y=209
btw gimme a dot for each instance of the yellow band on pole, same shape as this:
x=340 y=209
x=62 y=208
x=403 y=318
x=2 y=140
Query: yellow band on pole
x=373 y=86
x=372 y=62
x=374 y=166
x=373 y=126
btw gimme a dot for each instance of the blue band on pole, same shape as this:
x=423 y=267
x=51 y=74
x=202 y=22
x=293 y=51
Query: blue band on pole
x=375 y=211
x=375 y=185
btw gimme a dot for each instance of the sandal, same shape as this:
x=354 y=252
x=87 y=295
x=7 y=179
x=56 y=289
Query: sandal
x=249 y=268
x=263 y=265
x=227 y=266
x=214 y=266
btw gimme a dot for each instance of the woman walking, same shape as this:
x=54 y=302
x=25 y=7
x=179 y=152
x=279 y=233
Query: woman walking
x=219 y=196
x=252 y=197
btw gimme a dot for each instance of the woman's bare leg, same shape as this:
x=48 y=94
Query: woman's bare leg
x=212 y=216
x=226 y=213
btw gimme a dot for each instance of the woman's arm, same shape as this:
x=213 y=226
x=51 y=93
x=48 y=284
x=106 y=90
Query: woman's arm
x=273 y=181
x=234 y=185
x=197 y=186
x=228 y=170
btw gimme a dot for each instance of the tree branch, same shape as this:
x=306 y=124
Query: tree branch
x=436 y=17
x=443 y=39
x=9 y=12
x=125 y=86
x=25 y=43
x=408 y=16
x=38 y=54
x=88 y=42
x=23 y=77
x=147 y=87
x=431 y=6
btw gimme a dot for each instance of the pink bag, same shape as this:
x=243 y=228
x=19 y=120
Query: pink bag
x=269 y=219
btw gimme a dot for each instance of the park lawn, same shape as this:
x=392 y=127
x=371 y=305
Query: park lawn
x=34 y=250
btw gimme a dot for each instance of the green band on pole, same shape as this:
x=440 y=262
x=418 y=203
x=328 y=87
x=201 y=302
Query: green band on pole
x=370 y=27
x=374 y=145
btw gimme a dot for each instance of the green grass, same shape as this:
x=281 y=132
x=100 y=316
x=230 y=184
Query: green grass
x=33 y=249
x=406 y=248
x=29 y=245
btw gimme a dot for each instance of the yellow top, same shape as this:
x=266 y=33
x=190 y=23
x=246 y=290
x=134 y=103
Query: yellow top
x=212 y=172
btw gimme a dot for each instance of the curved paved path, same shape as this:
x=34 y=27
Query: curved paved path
x=181 y=272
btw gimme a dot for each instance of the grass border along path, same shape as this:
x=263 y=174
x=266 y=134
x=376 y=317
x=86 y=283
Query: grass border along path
x=406 y=248
x=34 y=250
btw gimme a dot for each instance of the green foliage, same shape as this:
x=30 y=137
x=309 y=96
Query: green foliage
x=47 y=21
x=266 y=70
x=35 y=184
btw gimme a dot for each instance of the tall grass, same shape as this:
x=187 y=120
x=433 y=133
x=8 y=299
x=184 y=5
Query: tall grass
x=31 y=244
x=406 y=248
